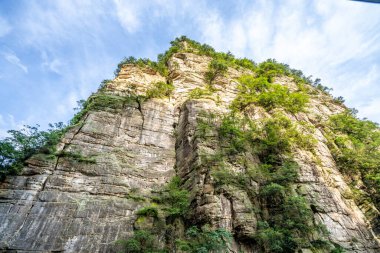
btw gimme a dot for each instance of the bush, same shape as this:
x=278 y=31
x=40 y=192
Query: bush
x=175 y=200
x=298 y=216
x=104 y=84
x=246 y=63
x=285 y=174
x=199 y=93
x=157 y=66
x=270 y=69
x=216 y=68
x=277 y=136
x=205 y=240
x=289 y=225
x=337 y=249
x=226 y=177
x=259 y=90
x=231 y=134
x=270 y=239
x=150 y=211
x=273 y=192
x=142 y=241
x=160 y=90
x=339 y=100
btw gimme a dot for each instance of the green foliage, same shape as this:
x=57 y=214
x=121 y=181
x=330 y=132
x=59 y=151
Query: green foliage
x=273 y=192
x=339 y=100
x=286 y=174
x=317 y=84
x=142 y=241
x=259 y=90
x=102 y=101
x=104 y=84
x=160 y=90
x=289 y=221
x=205 y=125
x=224 y=176
x=184 y=44
x=157 y=66
x=232 y=136
x=271 y=69
x=22 y=144
x=297 y=216
x=199 y=93
x=246 y=63
x=205 y=240
x=277 y=136
x=133 y=194
x=271 y=239
x=216 y=68
x=175 y=200
x=337 y=249
x=355 y=145
x=148 y=211
x=288 y=228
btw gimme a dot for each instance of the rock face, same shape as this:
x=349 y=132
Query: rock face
x=63 y=204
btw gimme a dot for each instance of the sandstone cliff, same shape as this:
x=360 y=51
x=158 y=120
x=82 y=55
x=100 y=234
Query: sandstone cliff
x=131 y=145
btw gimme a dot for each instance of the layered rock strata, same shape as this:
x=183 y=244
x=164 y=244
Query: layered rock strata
x=63 y=205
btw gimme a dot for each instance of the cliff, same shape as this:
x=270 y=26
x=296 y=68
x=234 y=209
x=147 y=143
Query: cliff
x=259 y=169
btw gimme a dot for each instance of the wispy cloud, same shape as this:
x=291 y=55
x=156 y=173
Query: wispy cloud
x=12 y=58
x=329 y=39
x=127 y=14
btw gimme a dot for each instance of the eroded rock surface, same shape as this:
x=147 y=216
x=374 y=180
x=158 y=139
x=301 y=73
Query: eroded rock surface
x=61 y=204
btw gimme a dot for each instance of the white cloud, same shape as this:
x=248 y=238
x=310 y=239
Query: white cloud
x=12 y=58
x=127 y=14
x=5 y=27
x=328 y=39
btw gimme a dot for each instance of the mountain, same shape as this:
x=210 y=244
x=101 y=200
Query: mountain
x=201 y=152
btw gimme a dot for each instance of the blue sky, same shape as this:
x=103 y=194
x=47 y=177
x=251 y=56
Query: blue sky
x=53 y=53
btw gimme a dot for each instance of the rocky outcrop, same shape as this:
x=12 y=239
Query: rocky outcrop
x=66 y=204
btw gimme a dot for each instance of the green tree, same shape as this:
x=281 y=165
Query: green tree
x=22 y=144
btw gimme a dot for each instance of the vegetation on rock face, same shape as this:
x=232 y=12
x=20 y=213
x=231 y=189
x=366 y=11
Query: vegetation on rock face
x=288 y=224
x=160 y=90
x=205 y=240
x=173 y=203
x=355 y=145
x=159 y=66
x=199 y=93
x=141 y=241
x=22 y=144
x=103 y=101
x=217 y=68
x=261 y=91
x=174 y=200
x=148 y=211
